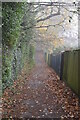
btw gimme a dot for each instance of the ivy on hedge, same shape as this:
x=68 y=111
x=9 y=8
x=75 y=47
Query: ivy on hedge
x=16 y=39
x=12 y=17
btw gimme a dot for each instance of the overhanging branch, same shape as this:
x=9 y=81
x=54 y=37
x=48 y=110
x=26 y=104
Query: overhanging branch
x=48 y=17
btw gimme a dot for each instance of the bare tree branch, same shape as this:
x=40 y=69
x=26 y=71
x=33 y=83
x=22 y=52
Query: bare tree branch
x=48 y=17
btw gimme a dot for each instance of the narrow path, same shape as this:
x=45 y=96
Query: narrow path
x=44 y=95
x=41 y=100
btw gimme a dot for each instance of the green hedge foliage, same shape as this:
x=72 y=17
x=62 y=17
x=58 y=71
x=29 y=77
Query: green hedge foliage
x=16 y=39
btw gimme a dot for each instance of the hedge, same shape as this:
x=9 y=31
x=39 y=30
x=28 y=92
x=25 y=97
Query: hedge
x=16 y=39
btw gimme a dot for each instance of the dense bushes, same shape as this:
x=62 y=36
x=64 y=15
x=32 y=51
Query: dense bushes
x=16 y=39
x=12 y=17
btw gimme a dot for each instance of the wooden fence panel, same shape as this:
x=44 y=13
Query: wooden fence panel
x=70 y=70
x=67 y=66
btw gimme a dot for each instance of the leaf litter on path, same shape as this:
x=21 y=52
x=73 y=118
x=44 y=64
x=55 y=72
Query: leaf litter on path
x=41 y=94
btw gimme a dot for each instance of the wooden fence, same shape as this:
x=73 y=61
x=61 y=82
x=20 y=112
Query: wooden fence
x=66 y=65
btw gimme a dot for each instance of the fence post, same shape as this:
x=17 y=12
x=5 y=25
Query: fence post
x=61 y=66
